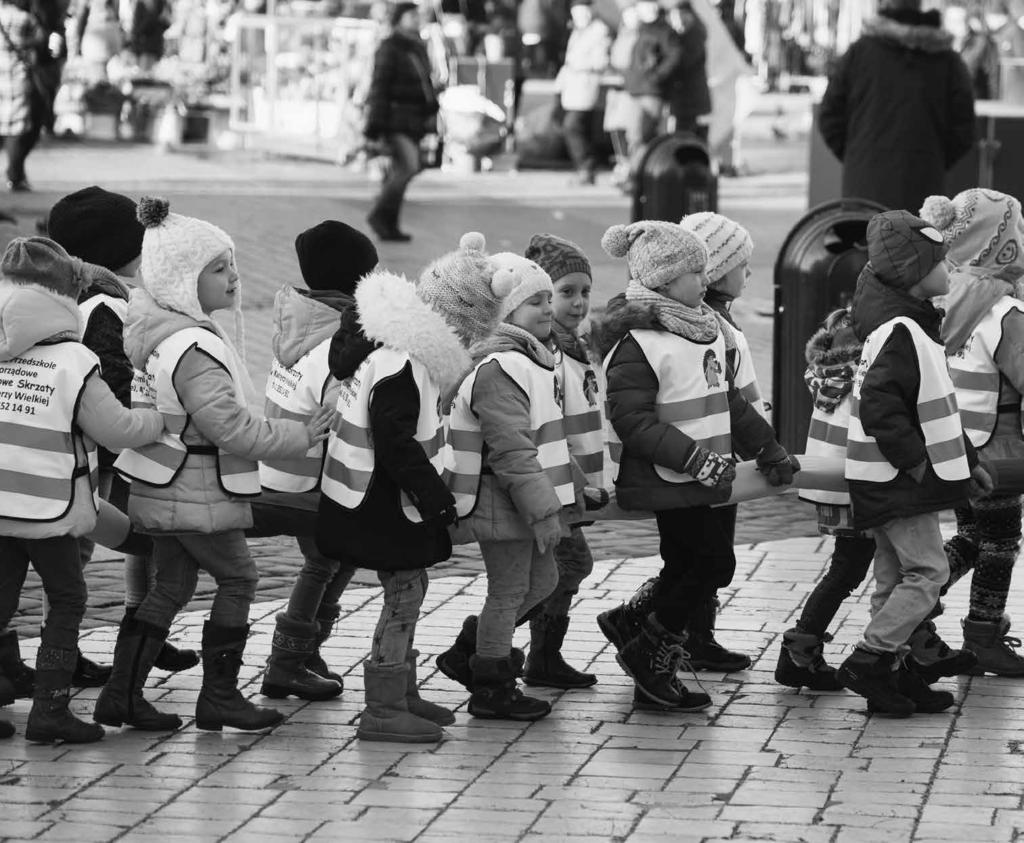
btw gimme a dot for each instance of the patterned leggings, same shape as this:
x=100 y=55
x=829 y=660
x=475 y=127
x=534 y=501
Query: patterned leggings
x=993 y=526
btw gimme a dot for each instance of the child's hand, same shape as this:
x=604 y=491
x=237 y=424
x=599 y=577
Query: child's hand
x=547 y=533
x=708 y=468
x=981 y=484
x=594 y=498
x=777 y=464
x=318 y=428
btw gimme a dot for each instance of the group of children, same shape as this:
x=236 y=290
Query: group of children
x=482 y=402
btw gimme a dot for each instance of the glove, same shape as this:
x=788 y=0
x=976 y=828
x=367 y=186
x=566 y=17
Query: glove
x=594 y=498
x=450 y=517
x=777 y=464
x=547 y=533
x=981 y=484
x=708 y=468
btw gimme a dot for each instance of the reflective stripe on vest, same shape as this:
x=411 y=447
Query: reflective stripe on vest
x=547 y=431
x=584 y=420
x=936 y=412
x=38 y=436
x=976 y=376
x=297 y=393
x=826 y=437
x=349 y=466
x=88 y=307
x=692 y=393
x=158 y=463
x=746 y=376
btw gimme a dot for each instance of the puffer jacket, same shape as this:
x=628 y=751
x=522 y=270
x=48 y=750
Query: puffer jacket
x=402 y=99
x=632 y=394
x=31 y=316
x=888 y=410
x=194 y=502
x=377 y=534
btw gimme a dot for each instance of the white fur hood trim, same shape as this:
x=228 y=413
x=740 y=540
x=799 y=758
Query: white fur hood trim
x=392 y=314
x=31 y=313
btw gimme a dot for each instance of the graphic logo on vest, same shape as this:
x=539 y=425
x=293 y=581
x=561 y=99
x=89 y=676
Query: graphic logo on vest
x=963 y=352
x=590 y=388
x=559 y=392
x=712 y=368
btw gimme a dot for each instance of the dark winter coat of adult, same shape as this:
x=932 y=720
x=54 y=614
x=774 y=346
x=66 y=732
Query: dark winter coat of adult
x=899 y=109
x=150 y=20
x=402 y=98
x=690 y=96
x=655 y=61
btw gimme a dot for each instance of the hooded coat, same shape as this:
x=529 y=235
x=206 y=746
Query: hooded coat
x=632 y=394
x=898 y=110
x=195 y=502
x=32 y=315
x=888 y=410
x=377 y=534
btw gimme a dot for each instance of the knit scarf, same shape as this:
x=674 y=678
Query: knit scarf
x=698 y=324
x=540 y=352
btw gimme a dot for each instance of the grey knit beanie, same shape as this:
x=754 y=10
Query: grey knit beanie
x=656 y=252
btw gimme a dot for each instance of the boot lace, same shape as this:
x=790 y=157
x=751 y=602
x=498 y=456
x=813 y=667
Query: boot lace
x=674 y=659
x=1011 y=642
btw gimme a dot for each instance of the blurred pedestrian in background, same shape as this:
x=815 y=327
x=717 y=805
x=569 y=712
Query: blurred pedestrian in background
x=20 y=39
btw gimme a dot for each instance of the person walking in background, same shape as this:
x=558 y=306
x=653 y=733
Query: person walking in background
x=899 y=109
x=50 y=57
x=21 y=38
x=100 y=36
x=690 y=97
x=150 y=20
x=402 y=108
x=579 y=85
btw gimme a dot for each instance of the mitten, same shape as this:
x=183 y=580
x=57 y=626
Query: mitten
x=708 y=468
x=981 y=484
x=777 y=464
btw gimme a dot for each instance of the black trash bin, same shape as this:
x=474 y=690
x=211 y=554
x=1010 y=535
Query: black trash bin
x=672 y=178
x=815 y=273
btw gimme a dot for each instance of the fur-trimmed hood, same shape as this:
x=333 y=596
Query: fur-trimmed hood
x=303 y=320
x=835 y=346
x=618 y=319
x=919 y=31
x=31 y=314
x=393 y=315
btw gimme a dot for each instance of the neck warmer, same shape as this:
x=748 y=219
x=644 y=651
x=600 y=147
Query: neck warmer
x=699 y=324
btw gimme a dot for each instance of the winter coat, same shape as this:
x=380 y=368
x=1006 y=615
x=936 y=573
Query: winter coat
x=402 y=98
x=195 y=502
x=150 y=20
x=888 y=410
x=586 y=59
x=104 y=337
x=515 y=494
x=654 y=64
x=632 y=393
x=16 y=89
x=378 y=535
x=898 y=111
x=690 y=96
x=30 y=316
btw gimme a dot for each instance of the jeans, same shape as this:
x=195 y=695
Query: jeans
x=644 y=121
x=910 y=570
x=697 y=559
x=848 y=568
x=179 y=558
x=405 y=163
x=57 y=563
x=574 y=563
x=993 y=526
x=403 y=596
x=577 y=126
x=518 y=578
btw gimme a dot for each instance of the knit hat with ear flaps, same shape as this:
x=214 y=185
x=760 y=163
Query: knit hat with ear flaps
x=45 y=263
x=656 y=252
x=528 y=279
x=902 y=248
x=729 y=243
x=981 y=227
x=467 y=288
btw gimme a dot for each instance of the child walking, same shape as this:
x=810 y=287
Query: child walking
x=507 y=417
x=54 y=409
x=190 y=490
x=384 y=504
x=907 y=456
x=673 y=416
x=333 y=257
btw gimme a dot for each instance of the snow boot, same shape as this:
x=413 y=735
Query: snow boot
x=454 y=662
x=293 y=644
x=20 y=675
x=931 y=658
x=652 y=660
x=49 y=720
x=416 y=704
x=387 y=716
x=995 y=650
x=496 y=695
x=915 y=688
x=545 y=666
x=121 y=701
x=220 y=703
x=326 y=617
x=802 y=665
x=89 y=674
x=705 y=652
x=170 y=658
x=623 y=623
x=871 y=675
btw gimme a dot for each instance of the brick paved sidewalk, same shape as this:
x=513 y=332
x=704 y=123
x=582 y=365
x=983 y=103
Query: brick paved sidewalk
x=764 y=763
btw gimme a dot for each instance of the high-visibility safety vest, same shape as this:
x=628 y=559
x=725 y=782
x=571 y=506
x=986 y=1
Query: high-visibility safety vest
x=936 y=412
x=296 y=393
x=693 y=394
x=584 y=421
x=88 y=307
x=158 y=463
x=349 y=466
x=464 y=454
x=826 y=437
x=975 y=375
x=746 y=376
x=39 y=395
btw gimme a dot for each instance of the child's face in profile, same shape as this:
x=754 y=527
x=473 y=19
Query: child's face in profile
x=734 y=281
x=935 y=283
x=572 y=299
x=534 y=315
x=217 y=286
x=687 y=289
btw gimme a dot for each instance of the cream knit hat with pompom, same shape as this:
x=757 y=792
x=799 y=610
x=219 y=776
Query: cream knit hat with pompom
x=656 y=252
x=528 y=278
x=981 y=227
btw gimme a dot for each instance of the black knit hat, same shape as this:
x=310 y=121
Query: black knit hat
x=97 y=226
x=334 y=256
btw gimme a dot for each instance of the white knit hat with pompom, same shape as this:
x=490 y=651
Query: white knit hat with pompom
x=467 y=288
x=656 y=252
x=981 y=227
x=528 y=280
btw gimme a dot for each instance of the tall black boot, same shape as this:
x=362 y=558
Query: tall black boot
x=915 y=688
x=801 y=663
x=454 y=662
x=545 y=666
x=293 y=643
x=121 y=701
x=170 y=658
x=220 y=703
x=20 y=675
x=931 y=658
x=872 y=675
x=496 y=695
x=326 y=617
x=705 y=652
x=623 y=623
x=50 y=720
